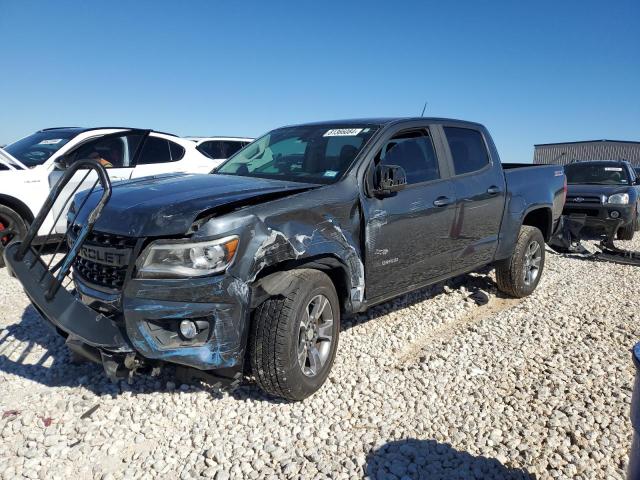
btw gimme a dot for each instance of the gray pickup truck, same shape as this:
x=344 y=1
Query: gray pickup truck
x=245 y=273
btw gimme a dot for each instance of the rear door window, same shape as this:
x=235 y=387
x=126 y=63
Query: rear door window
x=468 y=149
x=155 y=150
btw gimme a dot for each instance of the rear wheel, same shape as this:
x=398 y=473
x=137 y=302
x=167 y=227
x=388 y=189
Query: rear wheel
x=518 y=276
x=294 y=336
x=12 y=227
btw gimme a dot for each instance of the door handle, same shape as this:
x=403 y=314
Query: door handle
x=442 y=201
x=493 y=190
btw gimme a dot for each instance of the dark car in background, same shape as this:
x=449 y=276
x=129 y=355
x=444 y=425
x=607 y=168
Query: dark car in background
x=604 y=190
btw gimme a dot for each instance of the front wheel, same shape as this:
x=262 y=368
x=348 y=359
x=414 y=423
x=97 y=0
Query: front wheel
x=294 y=336
x=12 y=227
x=518 y=275
x=628 y=232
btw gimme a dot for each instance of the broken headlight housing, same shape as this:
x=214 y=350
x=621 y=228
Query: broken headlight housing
x=172 y=259
x=619 y=199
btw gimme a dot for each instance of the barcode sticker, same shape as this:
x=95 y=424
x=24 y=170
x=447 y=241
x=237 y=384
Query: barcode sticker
x=51 y=141
x=342 y=132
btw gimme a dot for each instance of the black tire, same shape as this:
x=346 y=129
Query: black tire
x=276 y=335
x=628 y=232
x=10 y=219
x=511 y=274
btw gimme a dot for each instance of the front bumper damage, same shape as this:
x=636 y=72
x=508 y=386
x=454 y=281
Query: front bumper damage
x=600 y=217
x=571 y=229
x=138 y=328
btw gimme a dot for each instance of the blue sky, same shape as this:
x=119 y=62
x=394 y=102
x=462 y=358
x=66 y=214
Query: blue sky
x=533 y=72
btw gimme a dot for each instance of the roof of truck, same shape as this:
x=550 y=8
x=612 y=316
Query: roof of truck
x=387 y=121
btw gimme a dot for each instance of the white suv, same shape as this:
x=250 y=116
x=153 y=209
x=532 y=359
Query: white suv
x=219 y=149
x=32 y=165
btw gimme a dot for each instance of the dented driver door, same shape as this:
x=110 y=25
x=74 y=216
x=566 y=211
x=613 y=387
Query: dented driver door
x=408 y=233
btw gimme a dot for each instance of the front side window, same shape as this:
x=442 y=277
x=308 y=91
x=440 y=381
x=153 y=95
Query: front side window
x=468 y=149
x=414 y=152
x=597 y=173
x=308 y=153
x=109 y=151
x=38 y=148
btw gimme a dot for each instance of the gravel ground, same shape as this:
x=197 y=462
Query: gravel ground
x=454 y=381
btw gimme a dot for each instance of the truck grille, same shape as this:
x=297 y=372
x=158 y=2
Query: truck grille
x=584 y=199
x=98 y=272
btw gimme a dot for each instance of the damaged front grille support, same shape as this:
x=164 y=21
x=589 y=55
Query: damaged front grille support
x=568 y=239
x=61 y=269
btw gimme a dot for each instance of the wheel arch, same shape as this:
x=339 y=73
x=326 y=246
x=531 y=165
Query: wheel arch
x=274 y=279
x=20 y=207
x=541 y=218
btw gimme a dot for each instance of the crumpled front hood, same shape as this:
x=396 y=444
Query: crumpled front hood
x=167 y=205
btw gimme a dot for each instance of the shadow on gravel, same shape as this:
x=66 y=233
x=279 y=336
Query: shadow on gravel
x=52 y=365
x=34 y=350
x=477 y=284
x=428 y=459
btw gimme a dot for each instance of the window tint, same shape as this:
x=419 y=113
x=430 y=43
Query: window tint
x=111 y=152
x=413 y=151
x=306 y=153
x=467 y=149
x=177 y=151
x=37 y=148
x=597 y=173
x=220 y=148
x=155 y=150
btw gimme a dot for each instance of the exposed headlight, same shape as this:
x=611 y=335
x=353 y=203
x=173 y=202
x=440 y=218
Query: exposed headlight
x=619 y=199
x=171 y=259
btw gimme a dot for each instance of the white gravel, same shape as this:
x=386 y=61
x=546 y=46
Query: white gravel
x=453 y=382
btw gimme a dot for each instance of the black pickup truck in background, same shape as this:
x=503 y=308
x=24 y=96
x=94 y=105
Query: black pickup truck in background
x=602 y=190
x=246 y=272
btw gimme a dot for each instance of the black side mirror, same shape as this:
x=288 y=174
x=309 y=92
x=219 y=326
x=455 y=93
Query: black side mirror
x=61 y=163
x=389 y=179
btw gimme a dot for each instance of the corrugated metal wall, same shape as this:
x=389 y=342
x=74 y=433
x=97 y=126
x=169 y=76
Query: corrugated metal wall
x=564 y=153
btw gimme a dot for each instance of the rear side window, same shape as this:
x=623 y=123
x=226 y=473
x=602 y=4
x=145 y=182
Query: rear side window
x=467 y=149
x=177 y=151
x=155 y=150
x=413 y=151
x=220 y=148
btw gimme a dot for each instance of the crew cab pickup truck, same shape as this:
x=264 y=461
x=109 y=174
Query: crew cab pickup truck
x=604 y=190
x=246 y=272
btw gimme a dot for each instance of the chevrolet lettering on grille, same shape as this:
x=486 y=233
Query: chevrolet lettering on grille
x=115 y=257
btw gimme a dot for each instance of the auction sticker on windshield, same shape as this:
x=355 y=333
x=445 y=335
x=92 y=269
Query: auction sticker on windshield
x=342 y=132
x=52 y=141
x=612 y=169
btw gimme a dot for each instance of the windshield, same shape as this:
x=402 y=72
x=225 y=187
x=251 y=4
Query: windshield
x=38 y=148
x=597 y=173
x=309 y=153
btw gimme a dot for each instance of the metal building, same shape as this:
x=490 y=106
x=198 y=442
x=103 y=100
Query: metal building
x=564 y=153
